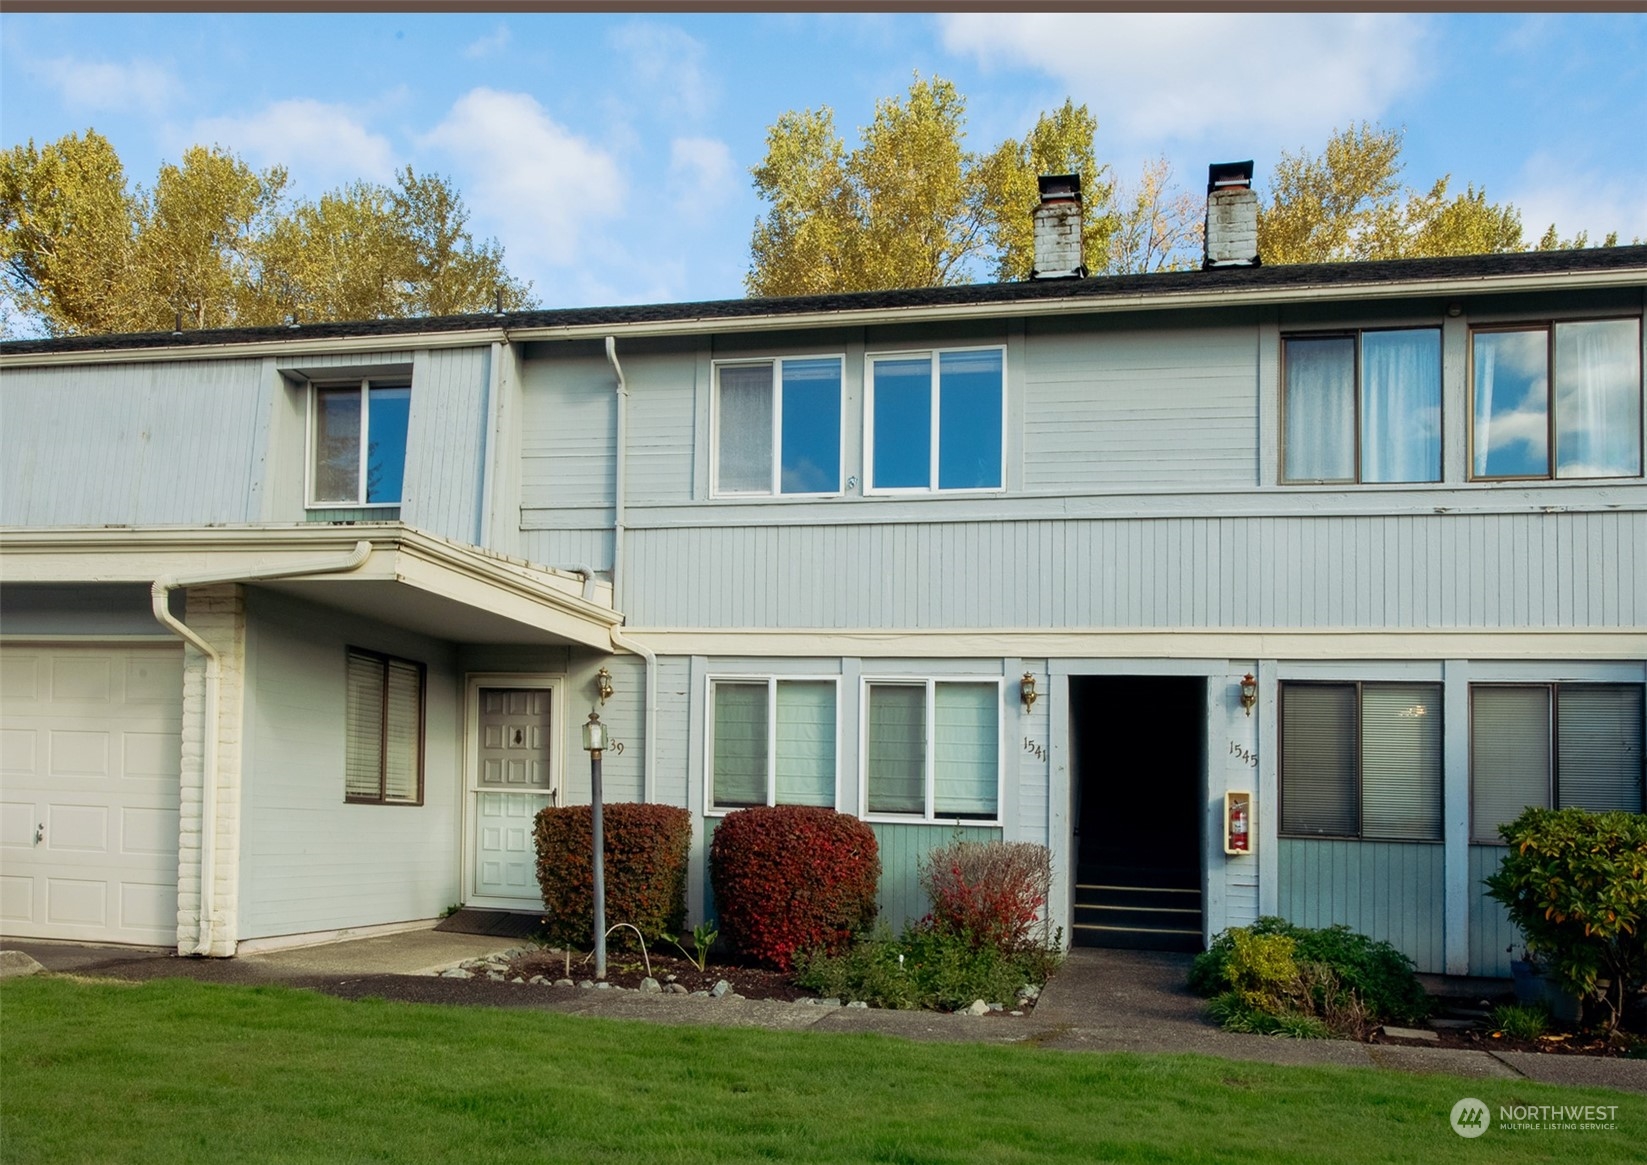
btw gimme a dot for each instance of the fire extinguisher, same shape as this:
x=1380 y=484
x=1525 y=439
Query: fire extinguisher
x=1238 y=828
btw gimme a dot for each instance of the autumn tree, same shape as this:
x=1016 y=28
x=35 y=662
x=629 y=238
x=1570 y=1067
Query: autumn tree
x=1159 y=226
x=217 y=244
x=911 y=206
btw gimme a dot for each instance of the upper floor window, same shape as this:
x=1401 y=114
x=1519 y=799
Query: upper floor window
x=1585 y=421
x=1363 y=407
x=383 y=729
x=772 y=742
x=1552 y=746
x=357 y=443
x=778 y=426
x=936 y=420
x=932 y=749
x=1361 y=760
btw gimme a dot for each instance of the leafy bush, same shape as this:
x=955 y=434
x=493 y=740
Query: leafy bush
x=991 y=892
x=646 y=848
x=925 y=968
x=793 y=878
x=1575 y=884
x=1348 y=980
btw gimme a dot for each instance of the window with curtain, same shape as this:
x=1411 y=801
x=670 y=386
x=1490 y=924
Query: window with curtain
x=1361 y=760
x=778 y=426
x=936 y=420
x=773 y=742
x=1363 y=407
x=383 y=729
x=1560 y=400
x=932 y=749
x=1566 y=745
x=357 y=454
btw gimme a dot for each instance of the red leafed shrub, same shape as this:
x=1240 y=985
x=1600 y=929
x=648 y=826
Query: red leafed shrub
x=793 y=878
x=990 y=892
x=646 y=849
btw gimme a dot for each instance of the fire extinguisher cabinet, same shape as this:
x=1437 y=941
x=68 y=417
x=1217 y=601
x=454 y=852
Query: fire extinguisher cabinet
x=1238 y=824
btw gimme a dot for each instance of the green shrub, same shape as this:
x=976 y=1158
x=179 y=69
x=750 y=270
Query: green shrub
x=646 y=848
x=990 y=891
x=1575 y=884
x=793 y=878
x=1347 y=980
x=925 y=968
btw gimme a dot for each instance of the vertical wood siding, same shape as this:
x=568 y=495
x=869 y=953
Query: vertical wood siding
x=1409 y=570
x=902 y=848
x=567 y=438
x=138 y=444
x=1494 y=939
x=445 y=443
x=1386 y=890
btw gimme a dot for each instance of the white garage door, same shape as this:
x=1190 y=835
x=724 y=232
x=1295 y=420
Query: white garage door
x=89 y=756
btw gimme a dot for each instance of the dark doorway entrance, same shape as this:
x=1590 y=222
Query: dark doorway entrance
x=1139 y=751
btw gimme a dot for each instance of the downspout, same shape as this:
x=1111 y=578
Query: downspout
x=489 y=452
x=160 y=598
x=619 y=641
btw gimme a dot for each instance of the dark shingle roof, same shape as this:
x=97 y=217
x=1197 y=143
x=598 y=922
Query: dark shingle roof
x=1278 y=278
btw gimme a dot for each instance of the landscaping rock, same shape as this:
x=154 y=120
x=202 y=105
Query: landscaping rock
x=15 y=963
x=538 y=981
x=720 y=989
x=979 y=1007
x=457 y=973
x=495 y=976
x=700 y=995
x=650 y=987
x=1015 y=1013
x=602 y=985
x=858 y=1003
x=1408 y=1033
x=675 y=989
x=563 y=983
x=586 y=983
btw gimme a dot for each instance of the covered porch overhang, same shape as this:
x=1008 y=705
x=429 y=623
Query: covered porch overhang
x=406 y=577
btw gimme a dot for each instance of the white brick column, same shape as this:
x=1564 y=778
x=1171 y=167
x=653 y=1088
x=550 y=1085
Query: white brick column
x=218 y=615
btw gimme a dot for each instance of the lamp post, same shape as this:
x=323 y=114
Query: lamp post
x=594 y=741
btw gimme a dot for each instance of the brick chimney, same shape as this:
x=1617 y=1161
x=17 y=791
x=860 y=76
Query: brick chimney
x=1058 y=228
x=1232 y=216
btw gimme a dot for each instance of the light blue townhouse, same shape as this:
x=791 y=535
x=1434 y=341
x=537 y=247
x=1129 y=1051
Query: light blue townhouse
x=1246 y=590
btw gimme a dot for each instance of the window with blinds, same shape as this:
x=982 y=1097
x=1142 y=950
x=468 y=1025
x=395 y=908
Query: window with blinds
x=1361 y=761
x=773 y=743
x=932 y=749
x=383 y=730
x=1568 y=745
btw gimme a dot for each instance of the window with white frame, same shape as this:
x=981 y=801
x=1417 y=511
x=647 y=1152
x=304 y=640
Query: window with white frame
x=932 y=749
x=936 y=420
x=1556 y=400
x=772 y=742
x=357 y=443
x=1560 y=745
x=383 y=729
x=1363 y=406
x=1361 y=760
x=778 y=426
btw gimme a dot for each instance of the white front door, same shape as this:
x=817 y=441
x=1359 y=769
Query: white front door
x=513 y=778
x=90 y=749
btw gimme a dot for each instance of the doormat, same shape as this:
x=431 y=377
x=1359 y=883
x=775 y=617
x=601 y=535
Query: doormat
x=498 y=923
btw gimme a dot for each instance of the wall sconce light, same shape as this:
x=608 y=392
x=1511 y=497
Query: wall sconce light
x=1249 y=692
x=603 y=684
x=1027 y=692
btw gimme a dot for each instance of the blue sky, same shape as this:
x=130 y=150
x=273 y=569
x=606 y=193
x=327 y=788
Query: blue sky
x=610 y=154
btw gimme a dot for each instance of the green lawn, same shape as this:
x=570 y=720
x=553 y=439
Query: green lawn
x=177 y=1071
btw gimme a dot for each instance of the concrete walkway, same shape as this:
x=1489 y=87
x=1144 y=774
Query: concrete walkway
x=1101 y=1001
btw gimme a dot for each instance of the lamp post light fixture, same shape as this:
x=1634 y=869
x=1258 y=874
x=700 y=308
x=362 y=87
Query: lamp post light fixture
x=594 y=743
x=1249 y=692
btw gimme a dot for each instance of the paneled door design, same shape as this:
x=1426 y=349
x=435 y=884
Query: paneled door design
x=513 y=778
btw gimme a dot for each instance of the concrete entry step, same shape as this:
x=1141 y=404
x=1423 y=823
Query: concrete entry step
x=499 y=923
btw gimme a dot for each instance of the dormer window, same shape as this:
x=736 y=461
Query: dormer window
x=357 y=443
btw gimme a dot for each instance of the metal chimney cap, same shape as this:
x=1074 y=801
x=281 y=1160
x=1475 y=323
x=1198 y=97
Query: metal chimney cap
x=1223 y=175
x=1059 y=186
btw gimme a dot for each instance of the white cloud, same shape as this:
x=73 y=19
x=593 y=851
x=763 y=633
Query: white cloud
x=1574 y=199
x=700 y=178
x=103 y=85
x=495 y=42
x=667 y=69
x=1152 y=77
x=531 y=181
x=322 y=145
